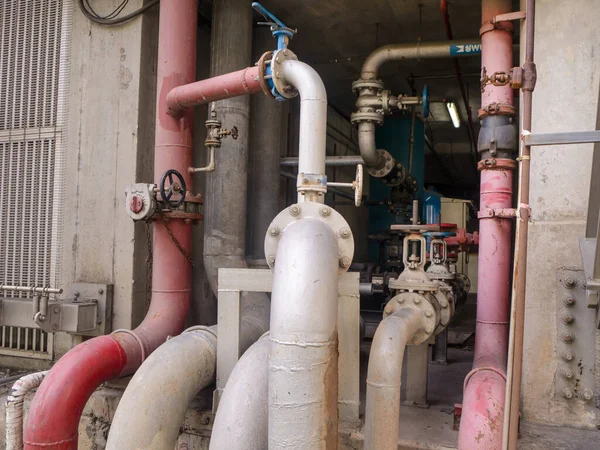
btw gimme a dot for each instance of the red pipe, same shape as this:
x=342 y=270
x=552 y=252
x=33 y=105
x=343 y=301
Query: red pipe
x=245 y=81
x=485 y=386
x=56 y=408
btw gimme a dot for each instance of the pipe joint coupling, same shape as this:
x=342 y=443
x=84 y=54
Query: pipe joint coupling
x=498 y=137
x=413 y=300
x=311 y=210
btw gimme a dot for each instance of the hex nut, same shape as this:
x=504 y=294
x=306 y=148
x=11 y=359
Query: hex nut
x=325 y=211
x=567 y=319
x=428 y=313
x=588 y=395
x=568 y=356
x=345 y=233
x=271 y=260
x=569 y=282
x=388 y=309
x=569 y=301
x=274 y=231
x=568 y=374
x=568 y=393
x=399 y=299
x=345 y=262
x=294 y=210
x=416 y=300
x=568 y=337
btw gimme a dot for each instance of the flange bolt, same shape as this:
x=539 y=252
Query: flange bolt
x=428 y=313
x=271 y=260
x=567 y=319
x=294 y=210
x=416 y=300
x=345 y=262
x=274 y=231
x=570 y=282
x=568 y=394
x=568 y=374
x=568 y=356
x=325 y=211
x=569 y=301
x=588 y=395
x=345 y=233
x=568 y=337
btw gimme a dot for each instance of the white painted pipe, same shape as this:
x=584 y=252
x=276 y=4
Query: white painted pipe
x=303 y=355
x=384 y=377
x=241 y=420
x=14 y=408
x=366 y=143
x=152 y=409
x=313 y=120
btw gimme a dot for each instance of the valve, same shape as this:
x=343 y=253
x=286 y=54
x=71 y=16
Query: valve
x=140 y=201
x=178 y=187
x=356 y=185
x=280 y=31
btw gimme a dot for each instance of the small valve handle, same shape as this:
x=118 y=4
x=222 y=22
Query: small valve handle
x=356 y=185
x=178 y=185
x=280 y=30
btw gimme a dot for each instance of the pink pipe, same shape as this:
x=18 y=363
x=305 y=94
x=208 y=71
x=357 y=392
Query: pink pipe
x=57 y=406
x=484 y=388
x=245 y=81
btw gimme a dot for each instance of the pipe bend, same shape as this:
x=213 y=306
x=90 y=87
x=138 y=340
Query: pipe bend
x=384 y=377
x=367 y=145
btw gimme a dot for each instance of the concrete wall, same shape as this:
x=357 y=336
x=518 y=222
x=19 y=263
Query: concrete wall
x=110 y=144
x=567 y=53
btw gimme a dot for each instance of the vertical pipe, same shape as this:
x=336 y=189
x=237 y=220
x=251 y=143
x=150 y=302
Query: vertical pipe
x=225 y=193
x=485 y=385
x=303 y=355
x=57 y=406
x=515 y=357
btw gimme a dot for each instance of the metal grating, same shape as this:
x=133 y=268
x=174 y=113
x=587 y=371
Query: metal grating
x=28 y=342
x=34 y=72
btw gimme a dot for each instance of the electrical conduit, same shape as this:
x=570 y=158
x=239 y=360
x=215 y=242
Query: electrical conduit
x=57 y=406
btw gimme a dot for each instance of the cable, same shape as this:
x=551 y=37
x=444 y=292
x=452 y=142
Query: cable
x=111 y=19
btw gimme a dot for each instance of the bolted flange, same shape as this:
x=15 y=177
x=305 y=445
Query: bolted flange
x=428 y=312
x=312 y=210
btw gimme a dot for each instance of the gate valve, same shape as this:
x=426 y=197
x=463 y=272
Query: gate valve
x=356 y=185
x=174 y=187
x=280 y=31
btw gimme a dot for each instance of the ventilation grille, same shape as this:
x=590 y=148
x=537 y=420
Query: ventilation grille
x=30 y=342
x=34 y=72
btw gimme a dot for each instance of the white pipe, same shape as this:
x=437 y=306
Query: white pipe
x=14 y=408
x=303 y=355
x=384 y=376
x=313 y=120
x=366 y=143
x=152 y=409
x=241 y=420
x=420 y=50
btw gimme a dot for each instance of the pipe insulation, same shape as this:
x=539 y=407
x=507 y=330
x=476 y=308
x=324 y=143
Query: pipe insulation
x=384 y=377
x=303 y=354
x=241 y=420
x=14 y=408
x=161 y=390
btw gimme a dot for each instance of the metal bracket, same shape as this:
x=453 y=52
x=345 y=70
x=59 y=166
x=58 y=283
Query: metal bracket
x=576 y=339
x=85 y=309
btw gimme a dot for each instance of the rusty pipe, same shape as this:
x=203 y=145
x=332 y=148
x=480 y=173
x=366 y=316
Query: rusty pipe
x=384 y=377
x=245 y=81
x=517 y=316
x=485 y=386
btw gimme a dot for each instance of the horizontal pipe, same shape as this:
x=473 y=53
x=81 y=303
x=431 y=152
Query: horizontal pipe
x=384 y=378
x=421 y=50
x=332 y=190
x=245 y=81
x=35 y=290
x=334 y=161
x=241 y=420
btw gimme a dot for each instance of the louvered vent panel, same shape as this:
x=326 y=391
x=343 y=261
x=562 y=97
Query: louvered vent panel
x=34 y=70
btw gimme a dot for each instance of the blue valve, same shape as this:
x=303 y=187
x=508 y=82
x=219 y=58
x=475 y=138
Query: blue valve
x=280 y=31
x=425 y=101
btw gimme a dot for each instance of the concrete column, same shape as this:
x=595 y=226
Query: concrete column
x=567 y=55
x=266 y=140
x=225 y=194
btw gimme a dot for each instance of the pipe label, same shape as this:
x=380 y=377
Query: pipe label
x=465 y=49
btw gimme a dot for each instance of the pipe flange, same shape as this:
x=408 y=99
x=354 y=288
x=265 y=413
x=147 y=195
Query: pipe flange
x=362 y=84
x=390 y=164
x=367 y=116
x=421 y=303
x=311 y=210
x=262 y=73
x=446 y=305
x=278 y=58
x=496 y=164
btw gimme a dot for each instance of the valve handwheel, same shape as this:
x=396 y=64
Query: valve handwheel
x=175 y=186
